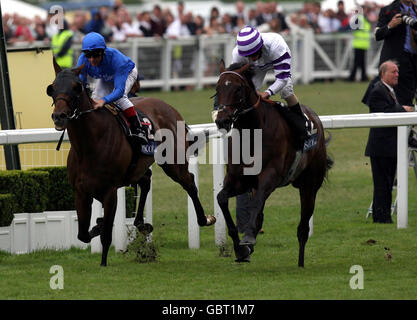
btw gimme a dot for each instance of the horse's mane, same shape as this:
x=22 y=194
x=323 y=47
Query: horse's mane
x=248 y=74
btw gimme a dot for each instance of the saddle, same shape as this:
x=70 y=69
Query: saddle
x=148 y=149
x=311 y=141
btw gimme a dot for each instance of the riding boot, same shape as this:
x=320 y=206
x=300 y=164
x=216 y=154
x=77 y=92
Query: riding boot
x=297 y=122
x=137 y=131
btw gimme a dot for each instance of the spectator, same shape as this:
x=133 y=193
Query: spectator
x=40 y=32
x=145 y=24
x=342 y=16
x=400 y=45
x=22 y=33
x=328 y=22
x=240 y=13
x=251 y=18
x=382 y=142
x=361 y=42
x=199 y=23
x=78 y=25
x=276 y=14
x=98 y=24
x=227 y=23
x=61 y=44
x=157 y=21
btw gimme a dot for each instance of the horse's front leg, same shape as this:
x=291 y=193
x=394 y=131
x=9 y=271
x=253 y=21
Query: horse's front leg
x=241 y=252
x=83 y=206
x=109 y=204
x=145 y=186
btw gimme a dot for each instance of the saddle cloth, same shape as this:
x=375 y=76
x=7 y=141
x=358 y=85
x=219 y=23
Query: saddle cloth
x=148 y=149
x=311 y=141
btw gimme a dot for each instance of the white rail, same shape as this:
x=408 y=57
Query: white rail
x=401 y=120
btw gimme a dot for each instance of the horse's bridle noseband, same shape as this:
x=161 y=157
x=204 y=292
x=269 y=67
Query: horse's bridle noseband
x=238 y=111
x=74 y=106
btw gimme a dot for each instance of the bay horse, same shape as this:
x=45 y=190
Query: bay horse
x=241 y=107
x=99 y=160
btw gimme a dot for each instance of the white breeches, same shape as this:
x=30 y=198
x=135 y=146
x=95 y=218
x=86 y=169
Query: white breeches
x=103 y=88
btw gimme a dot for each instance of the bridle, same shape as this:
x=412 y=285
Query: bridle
x=74 y=105
x=76 y=113
x=239 y=111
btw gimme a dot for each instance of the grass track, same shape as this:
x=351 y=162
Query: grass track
x=339 y=240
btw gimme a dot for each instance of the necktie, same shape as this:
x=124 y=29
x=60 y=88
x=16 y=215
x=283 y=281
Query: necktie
x=393 y=95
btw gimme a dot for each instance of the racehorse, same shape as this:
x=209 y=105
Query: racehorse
x=241 y=107
x=99 y=160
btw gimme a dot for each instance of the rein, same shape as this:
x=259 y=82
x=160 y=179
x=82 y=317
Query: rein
x=75 y=115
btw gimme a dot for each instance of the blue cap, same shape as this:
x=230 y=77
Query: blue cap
x=92 y=41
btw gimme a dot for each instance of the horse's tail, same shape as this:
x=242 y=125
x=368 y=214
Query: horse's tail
x=197 y=140
x=329 y=160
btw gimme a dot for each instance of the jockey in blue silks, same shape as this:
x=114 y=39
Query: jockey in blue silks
x=116 y=74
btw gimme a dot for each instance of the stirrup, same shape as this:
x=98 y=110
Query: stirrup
x=140 y=137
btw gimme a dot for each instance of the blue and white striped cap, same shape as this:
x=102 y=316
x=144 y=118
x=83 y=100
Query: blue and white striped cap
x=249 y=41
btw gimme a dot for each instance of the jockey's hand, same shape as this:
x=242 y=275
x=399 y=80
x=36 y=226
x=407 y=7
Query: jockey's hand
x=98 y=103
x=265 y=95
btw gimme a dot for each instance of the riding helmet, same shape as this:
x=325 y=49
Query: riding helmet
x=93 y=41
x=249 y=41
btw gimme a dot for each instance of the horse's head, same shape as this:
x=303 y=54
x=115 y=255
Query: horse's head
x=235 y=94
x=65 y=91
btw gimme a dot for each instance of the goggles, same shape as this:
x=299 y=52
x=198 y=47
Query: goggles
x=93 y=53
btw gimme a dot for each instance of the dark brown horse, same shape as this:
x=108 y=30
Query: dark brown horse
x=241 y=107
x=99 y=161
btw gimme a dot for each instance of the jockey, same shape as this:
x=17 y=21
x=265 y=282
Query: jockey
x=269 y=51
x=116 y=74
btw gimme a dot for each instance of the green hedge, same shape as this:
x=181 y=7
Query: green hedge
x=60 y=193
x=8 y=205
x=29 y=187
x=42 y=189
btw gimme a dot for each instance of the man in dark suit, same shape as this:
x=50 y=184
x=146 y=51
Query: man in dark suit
x=400 y=44
x=382 y=142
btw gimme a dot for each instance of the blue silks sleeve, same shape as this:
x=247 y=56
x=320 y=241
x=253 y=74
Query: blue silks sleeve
x=119 y=87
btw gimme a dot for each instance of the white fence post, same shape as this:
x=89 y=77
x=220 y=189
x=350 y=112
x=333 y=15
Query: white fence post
x=217 y=145
x=96 y=212
x=193 y=227
x=120 y=229
x=148 y=208
x=402 y=177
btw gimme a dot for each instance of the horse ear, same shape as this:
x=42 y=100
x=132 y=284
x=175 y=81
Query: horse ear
x=222 y=66
x=57 y=68
x=77 y=71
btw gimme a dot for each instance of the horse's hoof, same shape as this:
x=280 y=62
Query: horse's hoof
x=95 y=231
x=145 y=228
x=210 y=220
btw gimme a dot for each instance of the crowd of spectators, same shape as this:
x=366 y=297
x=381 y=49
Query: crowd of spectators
x=118 y=24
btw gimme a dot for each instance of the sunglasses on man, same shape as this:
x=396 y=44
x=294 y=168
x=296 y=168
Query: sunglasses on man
x=93 y=53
